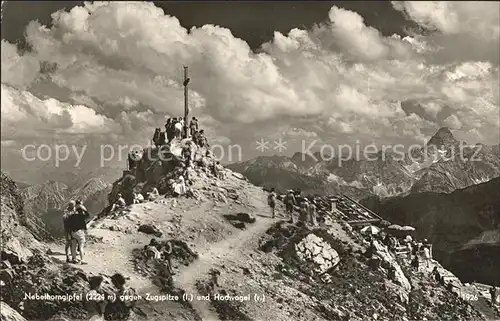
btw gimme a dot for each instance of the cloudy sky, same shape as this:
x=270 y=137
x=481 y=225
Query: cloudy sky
x=335 y=72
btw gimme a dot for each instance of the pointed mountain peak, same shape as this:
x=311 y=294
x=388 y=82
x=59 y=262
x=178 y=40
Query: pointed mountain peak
x=443 y=137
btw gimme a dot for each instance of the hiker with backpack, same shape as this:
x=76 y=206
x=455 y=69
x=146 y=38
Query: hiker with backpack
x=271 y=201
x=312 y=211
x=304 y=210
x=290 y=202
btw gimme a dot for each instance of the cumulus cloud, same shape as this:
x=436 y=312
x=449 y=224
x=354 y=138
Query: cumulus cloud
x=24 y=115
x=479 y=18
x=341 y=80
x=464 y=30
x=18 y=70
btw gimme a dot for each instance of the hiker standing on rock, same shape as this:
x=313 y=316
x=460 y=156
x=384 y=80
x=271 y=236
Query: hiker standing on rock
x=427 y=256
x=271 y=201
x=156 y=137
x=168 y=130
x=193 y=126
x=178 y=128
x=290 y=202
x=181 y=120
x=493 y=293
x=70 y=210
x=304 y=210
x=312 y=212
x=202 y=139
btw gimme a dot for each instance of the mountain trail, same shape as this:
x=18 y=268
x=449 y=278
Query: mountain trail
x=216 y=255
x=200 y=223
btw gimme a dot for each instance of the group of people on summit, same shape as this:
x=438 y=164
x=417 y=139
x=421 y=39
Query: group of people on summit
x=175 y=127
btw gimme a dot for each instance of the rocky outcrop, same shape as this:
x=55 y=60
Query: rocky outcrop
x=349 y=289
x=313 y=249
x=390 y=263
x=9 y=314
x=18 y=229
x=449 y=221
x=160 y=167
x=13 y=211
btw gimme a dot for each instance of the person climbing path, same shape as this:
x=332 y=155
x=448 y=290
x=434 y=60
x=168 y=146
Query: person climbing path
x=271 y=201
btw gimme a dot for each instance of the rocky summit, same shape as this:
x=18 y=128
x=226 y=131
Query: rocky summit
x=229 y=259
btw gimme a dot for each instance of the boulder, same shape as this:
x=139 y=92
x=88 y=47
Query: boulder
x=239 y=220
x=7 y=275
x=315 y=250
x=238 y=175
x=11 y=257
x=389 y=260
x=150 y=229
x=244 y=217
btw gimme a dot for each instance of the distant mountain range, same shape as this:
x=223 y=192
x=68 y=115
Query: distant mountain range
x=72 y=177
x=46 y=201
x=463 y=226
x=444 y=164
x=447 y=189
